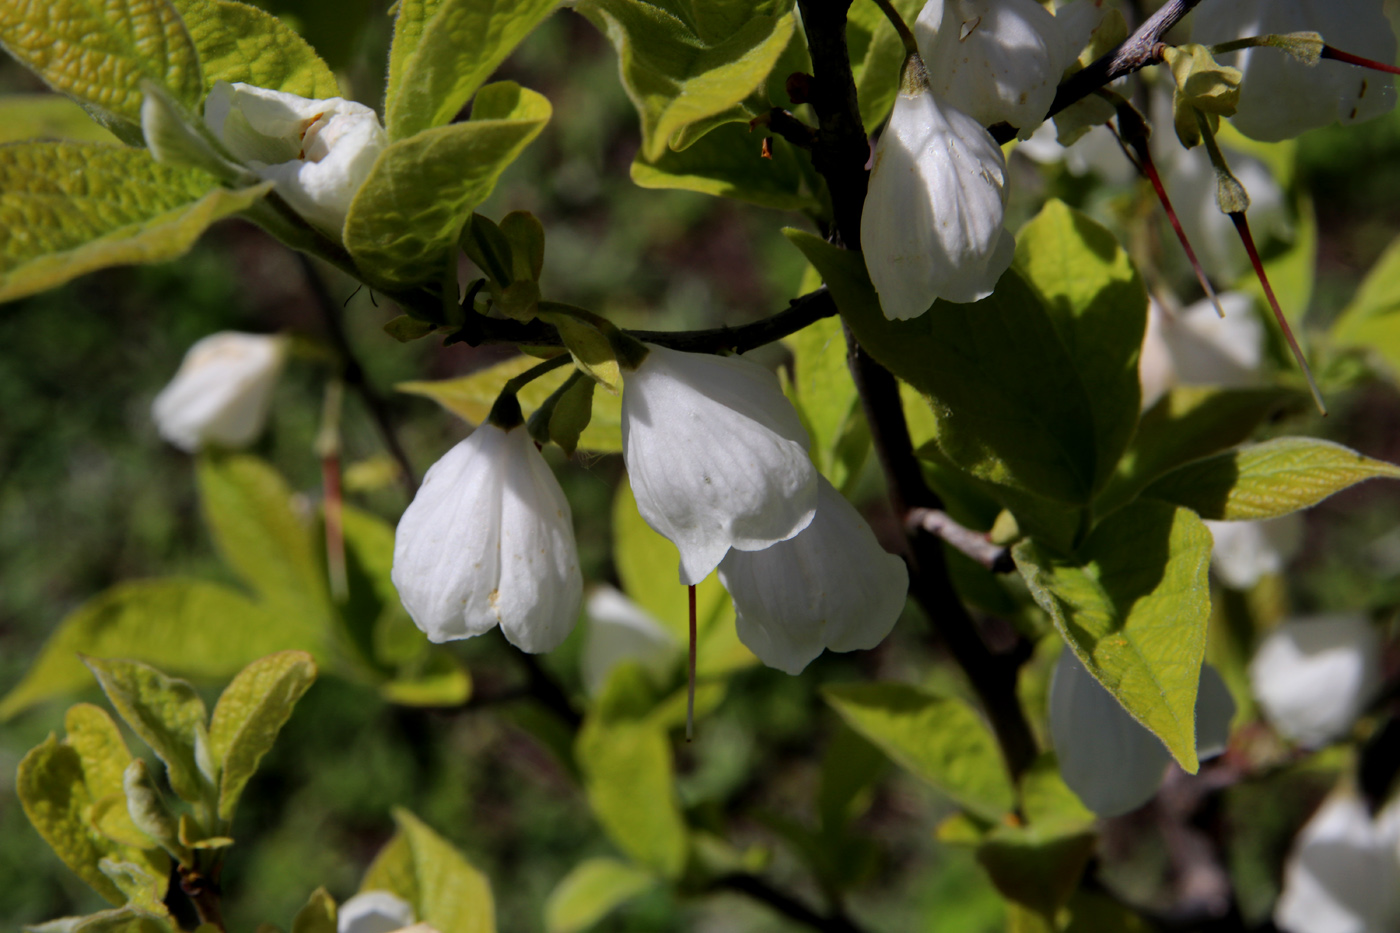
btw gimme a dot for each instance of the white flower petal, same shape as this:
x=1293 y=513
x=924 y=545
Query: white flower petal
x=619 y=630
x=222 y=391
x=933 y=221
x=1343 y=875
x=832 y=586
x=1246 y=551
x=1105 y=755
x=716 y=456
x=489 y=541
x=1314 y=676
x=373 y=912
x=1281 y=97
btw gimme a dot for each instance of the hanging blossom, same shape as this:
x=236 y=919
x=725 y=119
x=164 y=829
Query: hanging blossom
x=488 y=540
x=621 y=631
x=1280 y=96
x=222 y=391
x=1343 y=875
x=1109 y=759
x=317 y=152
x=374 y=912
x=1246 y=552
x=1314 y=676
x=716 y=456
x=830 y=587
x=932 y=227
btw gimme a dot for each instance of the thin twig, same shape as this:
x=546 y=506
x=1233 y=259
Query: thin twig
x=975 y=544
x=354 y=375
x=785 y=904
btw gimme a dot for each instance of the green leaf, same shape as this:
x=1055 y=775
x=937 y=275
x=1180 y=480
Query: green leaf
x=25 y=117
x=250 y=713
x=241 y=43
x=143 y=890
x=1098 y=306
x=877 y=56
x=1010 y=406
x=166 y=713
x=850 y=766
x=248 y=508
x=1184 y=425
x=940 y=740
x=1372 y=319
x=684 y=62
x=625 y=759
x=1034 y=867
x=392 y=870
x=1132 y=603
x=100 y=54
x=67 y=209
x=404 y=222
x=435 y=678
x=317 y=915
x=189 y=627
x=124 y=920
x=471 y=398
x=1293 y=272
x=727 y=162
x=95 y=737
x=594 y=889
x=446 y=892
x=435 y=68
x=825 y=395
x=648 y=569
x=1267 y=480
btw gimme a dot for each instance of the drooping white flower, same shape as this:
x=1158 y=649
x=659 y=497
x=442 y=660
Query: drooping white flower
x=318 y=152
x=489 y=540
x=1106 y=756
x=830 y=587
x=221 y=393
x=1097 y=152
x=1343 y=875
x=619 y=630
x=1246 y=551
x=933 y=221
x=1314 y=676
x=995 y=60
x=1281 y=97
x=716 y=456
x=1197 y=347
x=373 y=912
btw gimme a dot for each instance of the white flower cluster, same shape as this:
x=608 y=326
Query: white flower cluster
x=718 y=462
x=934 y=213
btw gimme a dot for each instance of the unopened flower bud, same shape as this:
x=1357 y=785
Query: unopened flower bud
x=222 y=391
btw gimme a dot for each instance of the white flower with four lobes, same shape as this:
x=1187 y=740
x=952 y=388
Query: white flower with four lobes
x=317 y=152
x=222 y=391
x=716 y=456
x=489 y=540
x=830 y=587
x=1280 y=96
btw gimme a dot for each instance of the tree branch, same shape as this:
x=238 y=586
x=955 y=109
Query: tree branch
x=785 y=904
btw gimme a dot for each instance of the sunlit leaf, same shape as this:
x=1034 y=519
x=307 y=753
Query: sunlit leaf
x=591 y=891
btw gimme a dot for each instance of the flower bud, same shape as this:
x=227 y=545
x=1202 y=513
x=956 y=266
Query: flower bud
x=1314 y=676
x=373 y=912
x=317 y=152
x=619 y=630
x=222 y=391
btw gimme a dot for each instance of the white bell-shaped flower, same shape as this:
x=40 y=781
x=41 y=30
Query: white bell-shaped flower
x=1197 y=347
x=1246 y=551
x=995 y=60
x=1280 y=96
x=1106 y=756
x=221 y=393
x=934 y=211
x=1343 y=875
x=831 y=587
x=373 y=912
x=619 y=630
x=716 y=455
x=488 y=541
x=318 y=152
x=1314 y=676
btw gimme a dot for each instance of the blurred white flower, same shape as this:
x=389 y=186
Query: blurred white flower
x=831 y=587
x=1246 y=551
x=1281 y=97
x=1105 y=755
x=995 y=60
x=488 y=541
x=716 y=456
x=619 y=630
x=1314 y=676
x=1343 y=875
x=1197 y=347
x=934 y=211
x=1097 y=151
x=318 y=152
x=373 y=912
x=221 y=393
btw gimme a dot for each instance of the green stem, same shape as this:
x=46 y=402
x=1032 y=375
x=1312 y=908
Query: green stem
x=911 y=46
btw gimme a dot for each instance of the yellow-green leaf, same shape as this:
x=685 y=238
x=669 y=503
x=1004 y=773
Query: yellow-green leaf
x=595 y=888
x=47 y=116
x=448 y=893
x=241 y=43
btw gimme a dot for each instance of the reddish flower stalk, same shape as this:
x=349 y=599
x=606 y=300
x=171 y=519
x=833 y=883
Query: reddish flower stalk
x=1338 y=55
x=690 y=684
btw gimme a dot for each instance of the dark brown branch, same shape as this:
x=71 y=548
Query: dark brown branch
x=974 y=544
x=785 y=904
x=354 y=375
